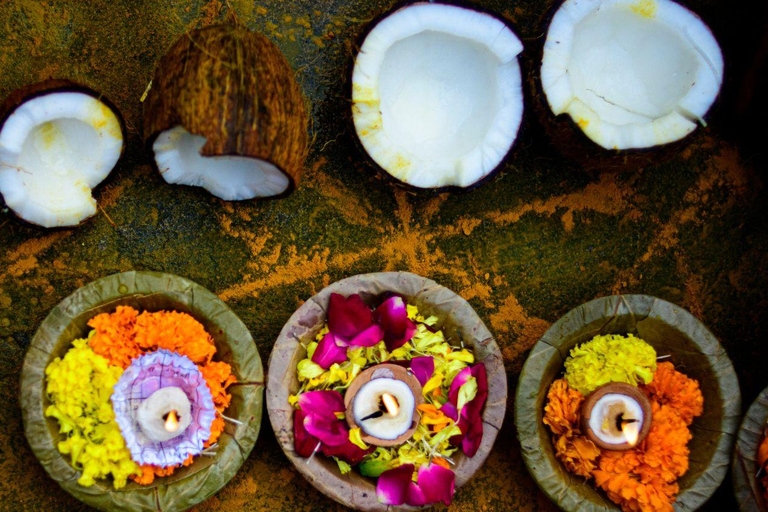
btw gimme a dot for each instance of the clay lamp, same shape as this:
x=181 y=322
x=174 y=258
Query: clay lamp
x=382 y=402
x=616 y=416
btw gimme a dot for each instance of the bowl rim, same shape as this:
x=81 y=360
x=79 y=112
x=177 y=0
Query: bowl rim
x=354 y=490
x=641 y=307
x=136 y=286
x=744 y=467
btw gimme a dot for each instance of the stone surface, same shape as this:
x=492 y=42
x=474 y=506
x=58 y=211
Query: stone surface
x=523 y=249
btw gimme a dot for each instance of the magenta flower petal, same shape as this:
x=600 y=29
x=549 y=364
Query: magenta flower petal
x=392 y=315
x=331 y=432
x=450 y=410
x=368 y=337
x=416 y=496
x=347 y=317
x=303 y=442
x=348 y=452
x=392 y=485
x=322 y=403
x=410 y=330
x=459 y=380
x=423 y=368
x=436 y=483
x=329 y=352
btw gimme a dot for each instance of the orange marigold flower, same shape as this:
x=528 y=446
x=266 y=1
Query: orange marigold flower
x=113 y=336
x=762 y=452
x=676 y=389
x=578 y=454
x=563 y=410
x=175 y=331
x=665 y=450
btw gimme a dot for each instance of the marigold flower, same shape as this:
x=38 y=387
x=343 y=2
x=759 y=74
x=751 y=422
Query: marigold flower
x=676 y=389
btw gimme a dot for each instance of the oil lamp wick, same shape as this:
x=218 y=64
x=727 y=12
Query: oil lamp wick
x=171 y=421
x=387 y=405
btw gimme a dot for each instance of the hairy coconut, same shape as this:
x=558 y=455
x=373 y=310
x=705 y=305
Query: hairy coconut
x=225 y=113
x=58 y=141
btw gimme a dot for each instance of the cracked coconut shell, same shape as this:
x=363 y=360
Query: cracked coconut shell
x=235 y=89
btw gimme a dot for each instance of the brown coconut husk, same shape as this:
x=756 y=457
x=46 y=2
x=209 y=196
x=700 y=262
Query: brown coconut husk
x=457 y=320
x=147 y=291
x=672 y=331
x=235 y=88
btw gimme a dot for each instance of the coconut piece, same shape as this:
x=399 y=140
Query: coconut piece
x=437 y=95
x=630 y=73
x=225 y=113
x=58 y=141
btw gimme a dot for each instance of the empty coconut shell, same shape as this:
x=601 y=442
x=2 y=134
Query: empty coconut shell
x=226 y=92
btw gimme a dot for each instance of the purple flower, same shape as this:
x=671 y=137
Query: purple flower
x=434 y=484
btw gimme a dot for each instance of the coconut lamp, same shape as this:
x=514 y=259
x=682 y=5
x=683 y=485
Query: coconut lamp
x=437 y=95
x=630 y=74
x=58 y=141
x=224 y=112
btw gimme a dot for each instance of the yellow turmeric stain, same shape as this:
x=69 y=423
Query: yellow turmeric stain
x=645 y=8
x=583 y=123
x=49 y=134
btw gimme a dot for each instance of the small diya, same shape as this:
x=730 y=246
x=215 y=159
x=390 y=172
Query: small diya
x=342 y=395
x=163 y=408
x=616 y=416
x=606 y=416
x=382 y=402
x=750 y=458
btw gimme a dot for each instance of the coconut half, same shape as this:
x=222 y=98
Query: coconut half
x=55 y=147
x=437 y=94
x=225 y=113
x=631 y=73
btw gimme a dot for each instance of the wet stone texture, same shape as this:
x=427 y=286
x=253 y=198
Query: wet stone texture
x=523 y=249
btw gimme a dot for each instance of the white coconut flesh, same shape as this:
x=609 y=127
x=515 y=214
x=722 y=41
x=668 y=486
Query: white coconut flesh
x=54 y=149
x=631 y=74
x=232 y=178
x=437 y=94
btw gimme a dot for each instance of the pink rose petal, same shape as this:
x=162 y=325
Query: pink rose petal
x=303 y=443
x=368 y=337
x=471 y=420
x=437 y=484
x=391 y=315
x=410 y=330
x=423 y=368
x=392 y=485
x=329 y=352
x=331 y=432
x=459 y=380
x=450 y=410
x=322 y=403
x=347 y=317
x=348 y=452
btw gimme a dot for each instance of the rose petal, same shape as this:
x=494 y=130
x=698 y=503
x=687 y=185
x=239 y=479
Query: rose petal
x=331 y=432
x=450 y=410
x=437 y=484
x=410 y=330
x=303 y=443
x=322 y=403
x=392 y=485
x=348 y=452
x=347 y=317
x=368 y=337
x=423 y=368
x=329 y=352
x=416 y=496
x=391 y=315
x=459 y=380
